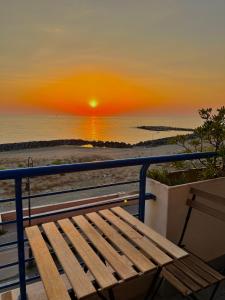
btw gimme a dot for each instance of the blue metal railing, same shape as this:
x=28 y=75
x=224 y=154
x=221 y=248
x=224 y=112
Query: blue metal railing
x=18 y=174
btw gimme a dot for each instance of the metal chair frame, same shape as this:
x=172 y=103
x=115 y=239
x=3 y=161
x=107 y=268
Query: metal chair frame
x=187 y=219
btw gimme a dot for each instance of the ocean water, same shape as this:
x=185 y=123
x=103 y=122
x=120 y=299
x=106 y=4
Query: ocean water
x=20 y=128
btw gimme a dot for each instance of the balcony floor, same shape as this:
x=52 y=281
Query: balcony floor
x=168 y=293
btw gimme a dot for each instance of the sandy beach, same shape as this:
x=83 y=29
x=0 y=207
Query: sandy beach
x=73 y=154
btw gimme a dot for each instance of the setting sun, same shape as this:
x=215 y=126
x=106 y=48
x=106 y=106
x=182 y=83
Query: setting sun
x=93 y=103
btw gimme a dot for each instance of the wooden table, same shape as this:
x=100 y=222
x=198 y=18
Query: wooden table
x=120 y=254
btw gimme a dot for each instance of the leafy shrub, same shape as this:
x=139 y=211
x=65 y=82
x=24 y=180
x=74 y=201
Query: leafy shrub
x=164 y=176
x=57 y=162
x=210 y=136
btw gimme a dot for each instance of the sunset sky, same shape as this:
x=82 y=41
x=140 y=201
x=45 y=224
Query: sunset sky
x=86 y=57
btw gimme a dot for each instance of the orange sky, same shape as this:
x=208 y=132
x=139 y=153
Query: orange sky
x=113 y=94
x=155 y=57
x=116 y=94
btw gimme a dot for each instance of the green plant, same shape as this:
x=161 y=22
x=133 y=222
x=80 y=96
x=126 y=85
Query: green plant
x=57 y=162
x=210 y=136
x=20 y=165
x=164 y=176
x=180 y=165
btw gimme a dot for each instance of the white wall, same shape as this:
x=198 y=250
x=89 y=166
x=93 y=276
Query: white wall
x=205 y=235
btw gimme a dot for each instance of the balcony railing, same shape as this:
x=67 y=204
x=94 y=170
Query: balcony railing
x=17 y=175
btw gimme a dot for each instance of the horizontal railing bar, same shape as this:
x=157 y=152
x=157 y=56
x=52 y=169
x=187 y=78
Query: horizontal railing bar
x=108 y=164
x=7 y=222
x=34 y=278
x=8 y=244
x=72 y=190
x=80 y=207
x=11 y=243
x=67 y=210
x=9 y=265
x=9 y=285
x=7 y=200
x=84 y=206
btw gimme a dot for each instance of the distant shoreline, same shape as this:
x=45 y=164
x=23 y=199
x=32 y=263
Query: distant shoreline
x=165 y=128
x=80 y=143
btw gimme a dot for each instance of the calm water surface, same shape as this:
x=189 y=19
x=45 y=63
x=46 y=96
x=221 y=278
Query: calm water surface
x=19 y=128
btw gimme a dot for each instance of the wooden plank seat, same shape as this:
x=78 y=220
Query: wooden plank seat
x=114 y=248
x=191 y=274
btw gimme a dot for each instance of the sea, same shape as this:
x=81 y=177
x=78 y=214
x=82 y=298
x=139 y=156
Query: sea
x=29 y=127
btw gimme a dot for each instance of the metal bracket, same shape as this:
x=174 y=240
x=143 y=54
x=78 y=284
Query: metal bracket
x=150 y=196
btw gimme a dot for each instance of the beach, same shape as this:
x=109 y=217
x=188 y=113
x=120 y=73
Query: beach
x=74 y=154
x=64 y=139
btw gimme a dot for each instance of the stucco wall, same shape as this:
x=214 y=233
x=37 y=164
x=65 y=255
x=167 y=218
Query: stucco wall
x=205 y=235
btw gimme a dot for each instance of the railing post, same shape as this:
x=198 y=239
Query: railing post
x=142 y=191
x=20 y=238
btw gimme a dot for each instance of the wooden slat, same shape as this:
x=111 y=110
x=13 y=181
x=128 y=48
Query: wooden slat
x=195 y=268
x=198 y=279
x=206 y=267
x=212 y=197
x=100 y=272
x=53 y=283
x=146 y=245
x=6 y=296
x=163 y=243
x=138 y=259
x=107 y=251
x=76 y=275
x=184 y=278
x=207 y=209
x=125 y=260
x=176 y=282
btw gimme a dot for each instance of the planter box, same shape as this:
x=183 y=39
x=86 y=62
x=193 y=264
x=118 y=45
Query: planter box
x=205 y=235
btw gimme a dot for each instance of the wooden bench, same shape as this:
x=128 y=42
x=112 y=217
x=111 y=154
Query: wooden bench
x=118 y=250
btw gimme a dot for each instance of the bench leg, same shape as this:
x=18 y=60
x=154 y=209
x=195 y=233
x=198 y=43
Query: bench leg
x=111 y=294
x=153 y=284
x=192 y=296
x=214 y=291
x=155 y=292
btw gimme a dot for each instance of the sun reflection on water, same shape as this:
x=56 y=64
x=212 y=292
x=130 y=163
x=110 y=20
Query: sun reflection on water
x=93 y=128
